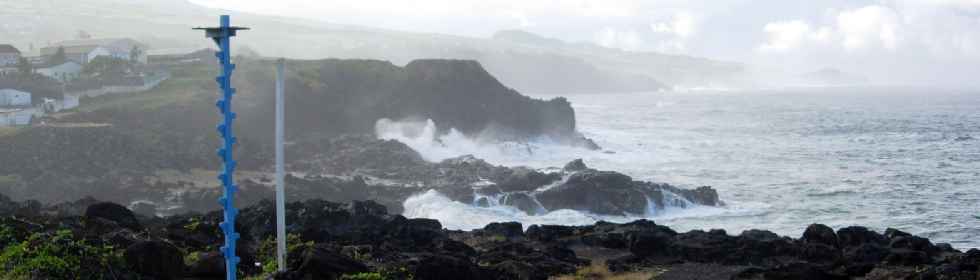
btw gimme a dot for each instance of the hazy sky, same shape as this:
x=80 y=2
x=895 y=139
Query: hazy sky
x=886 y=38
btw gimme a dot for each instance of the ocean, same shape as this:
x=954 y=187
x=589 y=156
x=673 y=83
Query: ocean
x=904 y=158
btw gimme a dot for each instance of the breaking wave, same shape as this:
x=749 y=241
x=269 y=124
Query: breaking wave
x=542 y=153
x=424 y=138
x=457 y=215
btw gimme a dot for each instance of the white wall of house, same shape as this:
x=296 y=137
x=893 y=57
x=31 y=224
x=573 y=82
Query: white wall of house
x=14 y=98
x=18 y=117
x=65 y=72
x=9 y=59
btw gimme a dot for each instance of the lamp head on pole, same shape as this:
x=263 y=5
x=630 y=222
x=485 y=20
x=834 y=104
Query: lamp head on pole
x=218 y=32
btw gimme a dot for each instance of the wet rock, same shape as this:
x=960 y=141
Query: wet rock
x=703 y=195
x=907 y=257
x=549 y=233
x=156 y=259
x=525 y=203
x=820 y=234
x=857 y=236
x=700 y=246
x=613 y=240
x=524 y=179
x=792 y=271
x=431 y=266
x=647 y=243
x=820 y=253
x=551 y=261
x=757 y=247
x=914 y=243
x=323 y=262
x=600 y=192
x=113 y=212
x=862 y=259
x=575 y=166
x=208 y=265
x=508 y=229
x=891 y=233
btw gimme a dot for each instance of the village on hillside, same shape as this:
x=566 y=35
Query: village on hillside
x=37 y=83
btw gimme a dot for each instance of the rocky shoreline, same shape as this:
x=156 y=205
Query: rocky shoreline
x=361 y=239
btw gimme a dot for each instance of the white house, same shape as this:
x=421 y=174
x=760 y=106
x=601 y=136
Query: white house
x=65 y=72
x=14 y=98
x=16 y=117
x=84 y=51
x=9 y=55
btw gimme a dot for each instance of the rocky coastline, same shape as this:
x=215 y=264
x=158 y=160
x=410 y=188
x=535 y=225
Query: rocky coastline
x=103 y=240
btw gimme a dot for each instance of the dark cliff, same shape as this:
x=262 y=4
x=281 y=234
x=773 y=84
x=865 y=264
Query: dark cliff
x=332 y=97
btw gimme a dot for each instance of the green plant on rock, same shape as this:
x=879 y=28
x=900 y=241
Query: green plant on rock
x=192 y=258
x=193 y=225
x=7 y=236
x=364 y=276
x=58 y=256
x=266 y=253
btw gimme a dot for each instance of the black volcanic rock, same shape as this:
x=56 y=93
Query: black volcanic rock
x=575 y=166
x=343 y=238
x=600 y=192
x=322 y=262
x=820 y=234
x=509 y=229
x=156 y=259
x=113 y=212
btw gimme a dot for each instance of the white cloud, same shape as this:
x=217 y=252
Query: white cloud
x=683 y=25
x=786 y=35
x=868 y=27
x=675 y=32
x=865 y=28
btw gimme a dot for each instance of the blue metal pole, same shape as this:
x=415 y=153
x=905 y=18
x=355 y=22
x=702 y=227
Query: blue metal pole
x=222 y=36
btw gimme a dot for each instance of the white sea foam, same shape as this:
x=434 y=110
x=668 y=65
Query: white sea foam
x=457 y=215
x=780 y=159
x=423 y=137
x=542 y=153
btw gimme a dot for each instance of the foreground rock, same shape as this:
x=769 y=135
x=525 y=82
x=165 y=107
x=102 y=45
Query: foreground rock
x=351 y=168
x=331 y=240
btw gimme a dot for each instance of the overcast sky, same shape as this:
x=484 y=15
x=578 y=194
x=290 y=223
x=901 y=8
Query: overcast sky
x=899 y=39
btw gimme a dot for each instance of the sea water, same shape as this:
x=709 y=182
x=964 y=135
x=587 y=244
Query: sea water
x=780 y=159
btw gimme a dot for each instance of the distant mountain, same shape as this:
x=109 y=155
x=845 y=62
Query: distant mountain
x=524 y=61
x=833 y=76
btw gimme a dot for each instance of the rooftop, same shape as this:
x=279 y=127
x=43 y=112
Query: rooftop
x=8 y=49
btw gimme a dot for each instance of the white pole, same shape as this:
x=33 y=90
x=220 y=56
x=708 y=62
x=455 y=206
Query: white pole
x=280 y=168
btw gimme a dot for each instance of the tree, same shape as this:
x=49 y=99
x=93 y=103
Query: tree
x=59 y=57
x=134 y=54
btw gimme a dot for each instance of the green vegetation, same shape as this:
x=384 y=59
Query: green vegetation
x=266 y=253
x=174 y=91
x=193 y=225
x=192 y=258
x=59 y=255
x=8 y=181
x=7 y=236
x=599 y=271
x=364 y=276
x=8 y=131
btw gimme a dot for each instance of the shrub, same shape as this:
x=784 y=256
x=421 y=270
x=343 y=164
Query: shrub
x=58 y=256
